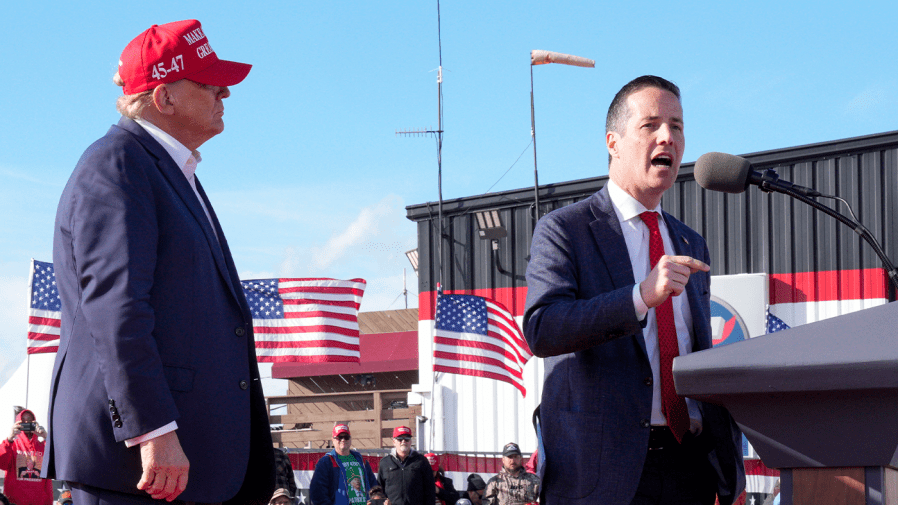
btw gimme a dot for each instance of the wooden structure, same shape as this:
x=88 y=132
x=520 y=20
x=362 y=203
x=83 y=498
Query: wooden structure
x=370 y=396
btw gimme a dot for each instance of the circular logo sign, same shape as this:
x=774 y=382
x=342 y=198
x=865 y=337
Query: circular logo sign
x=727 y=325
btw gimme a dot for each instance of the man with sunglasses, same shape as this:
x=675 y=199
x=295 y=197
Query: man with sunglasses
x=342 y=476
x=155 y=392
x=405 y=474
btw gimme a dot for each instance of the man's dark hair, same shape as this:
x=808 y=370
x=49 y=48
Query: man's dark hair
x=376 y=492
x=619 y=112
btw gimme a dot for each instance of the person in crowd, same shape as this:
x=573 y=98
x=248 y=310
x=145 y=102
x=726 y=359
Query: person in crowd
x=282 y=496
x=377 y=496
x=65 y=498
x=512 y=485
x=21 y=454
x=342 y=476
x=405 y=474
x=616 y=289
x=476 y=487
x=155 y=325
x=284 y=477
x=445 y=489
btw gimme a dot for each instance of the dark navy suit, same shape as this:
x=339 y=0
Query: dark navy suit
x=597 y=396
x=155 y=328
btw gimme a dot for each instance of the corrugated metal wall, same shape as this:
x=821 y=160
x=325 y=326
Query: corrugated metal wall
x=746 y=233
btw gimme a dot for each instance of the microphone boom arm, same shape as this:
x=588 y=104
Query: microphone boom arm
x=853 y=224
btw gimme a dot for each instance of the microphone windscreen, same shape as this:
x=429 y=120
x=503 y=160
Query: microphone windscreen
x=722 y=172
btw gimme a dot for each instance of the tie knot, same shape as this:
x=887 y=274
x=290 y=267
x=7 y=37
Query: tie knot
x=650 y=219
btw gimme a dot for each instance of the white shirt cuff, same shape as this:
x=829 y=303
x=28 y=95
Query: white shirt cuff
x=641 y=308
x=158 y=432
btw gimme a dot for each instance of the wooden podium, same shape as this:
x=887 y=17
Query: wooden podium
x=819 y=402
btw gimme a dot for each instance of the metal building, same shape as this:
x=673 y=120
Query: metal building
x=816 y=267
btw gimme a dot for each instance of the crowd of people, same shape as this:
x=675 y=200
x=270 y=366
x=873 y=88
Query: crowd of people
x=407 y=477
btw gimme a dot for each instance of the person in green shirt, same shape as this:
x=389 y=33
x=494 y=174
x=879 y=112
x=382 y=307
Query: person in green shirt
x=342 y=476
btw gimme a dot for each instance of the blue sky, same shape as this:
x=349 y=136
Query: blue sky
x=309 y=179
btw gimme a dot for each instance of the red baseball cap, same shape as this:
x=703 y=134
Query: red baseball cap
x=402 y=431
x=434 y=461
x=341 y=428
x=174 y=51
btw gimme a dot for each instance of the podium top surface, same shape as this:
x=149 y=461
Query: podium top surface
x=856 y=351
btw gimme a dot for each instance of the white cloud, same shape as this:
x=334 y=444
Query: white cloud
x=870 y=99
x=372 y=243
x=366 y=225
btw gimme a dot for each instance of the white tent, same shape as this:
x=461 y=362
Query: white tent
x=28 y=387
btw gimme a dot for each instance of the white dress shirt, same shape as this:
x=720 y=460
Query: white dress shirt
x=636 y=235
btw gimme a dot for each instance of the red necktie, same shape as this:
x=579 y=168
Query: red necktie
x=672 y=405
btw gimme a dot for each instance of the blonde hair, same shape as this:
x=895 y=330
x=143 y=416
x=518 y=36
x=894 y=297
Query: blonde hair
x=131 y=106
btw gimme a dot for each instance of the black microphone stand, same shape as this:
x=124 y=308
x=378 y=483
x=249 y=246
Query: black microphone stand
x=770 y=182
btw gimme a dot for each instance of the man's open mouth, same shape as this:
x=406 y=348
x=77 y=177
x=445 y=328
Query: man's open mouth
x=662 y=160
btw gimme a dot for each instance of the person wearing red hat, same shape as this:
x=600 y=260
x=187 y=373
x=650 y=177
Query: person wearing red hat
x=405 y=474
x=445 y=488
x=20 y=457
x=342 y=476
x=156 y=392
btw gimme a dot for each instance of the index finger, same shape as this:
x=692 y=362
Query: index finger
x=693 y=264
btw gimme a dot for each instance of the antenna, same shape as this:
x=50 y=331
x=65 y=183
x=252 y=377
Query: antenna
x=404 y=290
x=438 y=134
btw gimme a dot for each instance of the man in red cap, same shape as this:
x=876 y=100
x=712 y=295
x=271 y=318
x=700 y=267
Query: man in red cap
x=156 y=392
x=341 y=476
x=405 y=474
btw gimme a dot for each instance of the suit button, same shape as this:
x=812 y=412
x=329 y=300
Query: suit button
x=645 y=423
x=118 y=424
x=243 y=385
x=240 y=331
x=112 y=403
x=648 y=381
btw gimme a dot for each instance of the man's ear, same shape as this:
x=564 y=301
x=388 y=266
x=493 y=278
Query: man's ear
x=163 y=99
x=611 y=139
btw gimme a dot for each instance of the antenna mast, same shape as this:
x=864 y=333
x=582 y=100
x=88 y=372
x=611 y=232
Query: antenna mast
x=438 y=134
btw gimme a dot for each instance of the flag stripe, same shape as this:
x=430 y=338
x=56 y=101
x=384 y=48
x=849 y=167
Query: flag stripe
x=43 y=321
x=307 y=344
x=480 y=373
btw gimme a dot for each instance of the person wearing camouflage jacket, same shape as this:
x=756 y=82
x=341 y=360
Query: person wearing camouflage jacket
x=512 y=485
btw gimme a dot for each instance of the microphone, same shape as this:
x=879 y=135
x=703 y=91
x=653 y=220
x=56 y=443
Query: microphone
x=732 y=174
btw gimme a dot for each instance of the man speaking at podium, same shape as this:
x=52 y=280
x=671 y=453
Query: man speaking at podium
x=616 y=289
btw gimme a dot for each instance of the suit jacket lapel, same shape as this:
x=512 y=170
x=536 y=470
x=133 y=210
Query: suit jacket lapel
x=609 y=237
x=223 y=254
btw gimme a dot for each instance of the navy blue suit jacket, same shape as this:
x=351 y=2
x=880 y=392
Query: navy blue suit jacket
x=155 y=328
x=597 y=396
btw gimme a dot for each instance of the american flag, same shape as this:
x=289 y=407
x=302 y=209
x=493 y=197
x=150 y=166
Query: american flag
x=43 y=309
x=305 y=320
x=775 y=324
x=478 y=336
